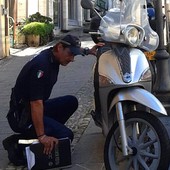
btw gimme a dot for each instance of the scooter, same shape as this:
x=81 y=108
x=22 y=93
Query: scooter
x=128 y=112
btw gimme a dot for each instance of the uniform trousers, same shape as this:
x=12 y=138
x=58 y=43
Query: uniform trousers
x=56 y=112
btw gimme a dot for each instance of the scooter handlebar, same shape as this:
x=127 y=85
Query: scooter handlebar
x=89 y=31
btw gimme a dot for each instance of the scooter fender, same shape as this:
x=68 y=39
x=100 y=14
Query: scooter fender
x=141 y=96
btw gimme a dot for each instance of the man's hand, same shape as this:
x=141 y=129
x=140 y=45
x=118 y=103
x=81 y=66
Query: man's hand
x=48 y=142
x=93 y=50
x=37 y=118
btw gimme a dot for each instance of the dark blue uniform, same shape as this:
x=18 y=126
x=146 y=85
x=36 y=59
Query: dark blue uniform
x=37 y=77
x=35 y=82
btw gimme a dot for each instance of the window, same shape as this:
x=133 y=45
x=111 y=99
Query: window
x=32 y=7
x=56 y=12
x=71 y=9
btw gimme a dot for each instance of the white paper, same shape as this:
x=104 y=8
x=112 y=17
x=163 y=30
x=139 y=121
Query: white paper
x=30 y=157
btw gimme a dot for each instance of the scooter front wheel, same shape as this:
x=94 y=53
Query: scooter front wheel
x=148 y=139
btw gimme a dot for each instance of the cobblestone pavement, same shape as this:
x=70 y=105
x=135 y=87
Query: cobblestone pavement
x=75 y=79
x=81 y=118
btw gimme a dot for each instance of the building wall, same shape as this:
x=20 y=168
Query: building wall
x=71 y=19
x=50 y=9
x=29 y=7
x=79 y=13
x=4 y=47
x=2 y=29
x=43 y=7
x=21 y=10
x=64 y=15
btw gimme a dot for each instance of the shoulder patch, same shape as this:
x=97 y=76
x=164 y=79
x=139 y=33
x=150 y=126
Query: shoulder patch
x=40 y=74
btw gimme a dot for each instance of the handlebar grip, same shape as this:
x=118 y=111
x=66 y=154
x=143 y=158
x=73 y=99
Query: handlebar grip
x=90 y=31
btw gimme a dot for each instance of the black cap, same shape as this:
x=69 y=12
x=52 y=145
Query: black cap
x=73 y=44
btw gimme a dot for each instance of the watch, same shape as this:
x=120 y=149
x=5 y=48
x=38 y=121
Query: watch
x=86 y=51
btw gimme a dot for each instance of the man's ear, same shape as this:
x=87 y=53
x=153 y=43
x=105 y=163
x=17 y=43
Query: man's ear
x=58 y=47
x=59 y=44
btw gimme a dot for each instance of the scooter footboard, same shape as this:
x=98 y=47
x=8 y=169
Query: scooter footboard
x=141 y=96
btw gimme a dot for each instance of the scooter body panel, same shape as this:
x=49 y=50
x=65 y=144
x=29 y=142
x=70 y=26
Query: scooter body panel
x=141 y=96
x=109 y=66
x=133 y=94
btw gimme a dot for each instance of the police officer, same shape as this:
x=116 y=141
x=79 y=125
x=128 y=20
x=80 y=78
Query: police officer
x=37 y=115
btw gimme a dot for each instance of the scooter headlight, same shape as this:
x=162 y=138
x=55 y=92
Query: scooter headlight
x=146 y=76
x=133 y=35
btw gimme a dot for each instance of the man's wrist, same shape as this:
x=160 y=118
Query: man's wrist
x=86 y=51
x=38 y=136
x=41 y=137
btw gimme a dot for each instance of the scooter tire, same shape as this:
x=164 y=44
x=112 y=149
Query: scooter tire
x=154 y=127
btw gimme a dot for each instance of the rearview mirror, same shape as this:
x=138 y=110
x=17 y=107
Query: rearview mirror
x=87 y=4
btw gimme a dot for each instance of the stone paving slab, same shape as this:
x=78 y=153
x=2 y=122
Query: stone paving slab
x=88 y=153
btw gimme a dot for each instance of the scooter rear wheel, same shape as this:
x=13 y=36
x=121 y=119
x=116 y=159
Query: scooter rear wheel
x=148 y=139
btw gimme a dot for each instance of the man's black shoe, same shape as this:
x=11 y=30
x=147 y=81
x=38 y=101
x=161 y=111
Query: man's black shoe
x=15 y=151
x=97 y=118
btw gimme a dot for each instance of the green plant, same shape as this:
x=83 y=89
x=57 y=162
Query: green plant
x=34 y=28
x=44 y=30
x=37 y=17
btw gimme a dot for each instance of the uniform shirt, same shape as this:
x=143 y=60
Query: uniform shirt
x=37 y=77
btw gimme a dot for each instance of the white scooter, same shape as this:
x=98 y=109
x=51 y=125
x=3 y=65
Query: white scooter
x=129 y=113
